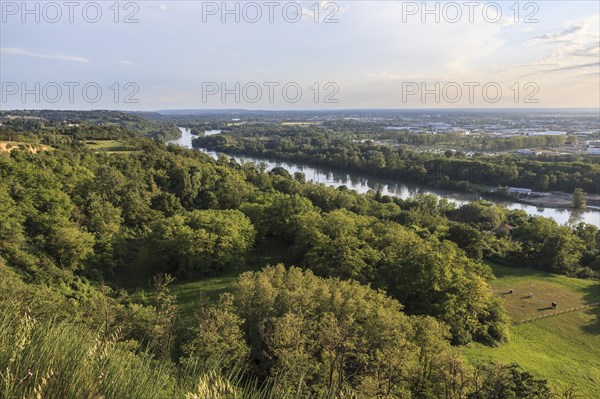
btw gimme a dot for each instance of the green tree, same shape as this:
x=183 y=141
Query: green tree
x=548 y=246
x=202 y=241
x=579 y=199
x=12 y=234
x=468 y=238
x=326 y=334
x=496 y=381
x=218 y=338
x=69 y=245
x=542 y=183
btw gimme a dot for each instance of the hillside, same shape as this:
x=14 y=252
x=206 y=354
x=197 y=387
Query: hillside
x=564 y=348
x=8 y=146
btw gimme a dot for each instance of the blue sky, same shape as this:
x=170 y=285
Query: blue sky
x=379 y=54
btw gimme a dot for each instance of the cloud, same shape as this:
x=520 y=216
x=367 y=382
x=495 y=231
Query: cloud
x=592 y=50
x=583 y=32
x=575 y=67
x=574 y=48
x=561 y=36
x=125 y=62
x=49 y=56
x=160 y=7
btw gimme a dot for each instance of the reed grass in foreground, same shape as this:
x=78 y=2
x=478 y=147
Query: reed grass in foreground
x=60 y=360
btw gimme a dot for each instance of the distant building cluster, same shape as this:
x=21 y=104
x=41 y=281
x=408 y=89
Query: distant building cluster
x=593 y=151
x=519 y=190
x=524 y=151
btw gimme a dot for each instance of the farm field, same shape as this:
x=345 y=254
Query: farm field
x=563 y=348
x=546 y=288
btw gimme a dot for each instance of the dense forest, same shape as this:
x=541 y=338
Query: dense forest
x=61 y=127
x=332 y=149
x=375 y=297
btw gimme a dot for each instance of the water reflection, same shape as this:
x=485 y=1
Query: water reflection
x=362 y=184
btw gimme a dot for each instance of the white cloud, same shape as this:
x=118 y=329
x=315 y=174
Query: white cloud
x=125 y=62
x=160 y=7
x=590 y=65
x=49 y=56
x=562 y=36
x=573 y=48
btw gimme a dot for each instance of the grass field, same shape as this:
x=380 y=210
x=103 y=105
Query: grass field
x=189 y=293
x=110 y=146
x=546 y=288
x=563 y=348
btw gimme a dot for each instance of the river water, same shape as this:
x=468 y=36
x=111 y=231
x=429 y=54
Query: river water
x=362 y=184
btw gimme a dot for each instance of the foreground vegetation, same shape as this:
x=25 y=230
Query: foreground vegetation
x=385 y=292
x=347 y=341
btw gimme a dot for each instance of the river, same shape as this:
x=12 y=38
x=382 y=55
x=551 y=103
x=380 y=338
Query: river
x=362 y=184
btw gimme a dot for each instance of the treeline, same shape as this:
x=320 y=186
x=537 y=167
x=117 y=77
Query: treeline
x=484 y=142
x=76 y=223
x=360 y=131
x=58 y=127
x=449 y=170
x=455 y=140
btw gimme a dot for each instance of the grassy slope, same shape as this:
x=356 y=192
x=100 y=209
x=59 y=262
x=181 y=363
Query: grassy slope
x=564 y=348
x=34 y=148
x=190 y=293
x=110 y=146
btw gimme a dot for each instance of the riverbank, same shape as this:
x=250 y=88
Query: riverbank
x=553 y=200
x=560 y=200
x=392 y=187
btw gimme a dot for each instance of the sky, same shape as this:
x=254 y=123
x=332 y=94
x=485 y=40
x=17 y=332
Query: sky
x=152 y=55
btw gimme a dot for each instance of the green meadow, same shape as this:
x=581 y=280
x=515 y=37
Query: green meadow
x=564 y=348
x=110 y=146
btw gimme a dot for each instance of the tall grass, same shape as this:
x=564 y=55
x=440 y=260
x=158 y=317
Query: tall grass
x=43 y=359
x=46 y=359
